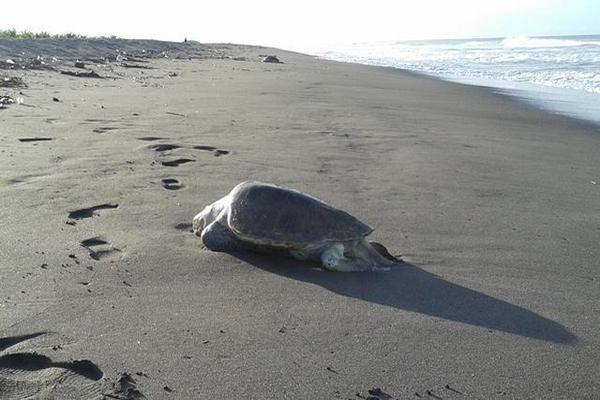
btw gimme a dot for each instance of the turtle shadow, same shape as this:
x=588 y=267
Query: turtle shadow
x=407 y=287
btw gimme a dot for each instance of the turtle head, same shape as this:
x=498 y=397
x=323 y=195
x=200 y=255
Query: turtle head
x=202 y=220
x=208 y=215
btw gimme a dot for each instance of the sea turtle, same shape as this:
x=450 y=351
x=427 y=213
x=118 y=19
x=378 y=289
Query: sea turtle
x=265 y=217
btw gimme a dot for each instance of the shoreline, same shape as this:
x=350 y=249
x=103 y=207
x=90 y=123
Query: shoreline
x=511 y=95
x=540 y=99
x=578 y=104
x=536 y=100
x=193 y=49
x=493 y=207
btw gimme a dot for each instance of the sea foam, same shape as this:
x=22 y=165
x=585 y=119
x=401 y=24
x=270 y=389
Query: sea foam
x=532 y=43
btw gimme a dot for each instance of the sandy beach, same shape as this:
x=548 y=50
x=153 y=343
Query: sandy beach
x=494 y=207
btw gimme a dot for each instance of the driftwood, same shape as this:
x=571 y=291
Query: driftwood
x=271 y=59
x=125 y=65
x=81 y=74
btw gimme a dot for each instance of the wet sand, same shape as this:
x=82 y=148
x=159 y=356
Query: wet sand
x=493 y=206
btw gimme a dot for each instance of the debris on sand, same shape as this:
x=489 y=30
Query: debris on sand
x=79 y=64
x=81 y=74
x=25 y=63
x=5 y=100
x=126 y=65
x=11 y=82
x=377 y=394
x=7 y=64
x=431 y=394
x=452 y=389
x=90 y=212
x=125 y=388
x=271 y=59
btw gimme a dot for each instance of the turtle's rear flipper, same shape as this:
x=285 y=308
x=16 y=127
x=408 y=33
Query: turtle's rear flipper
x=383 y=251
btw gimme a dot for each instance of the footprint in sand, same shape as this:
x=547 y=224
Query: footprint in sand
x=90 y=212
x=174 y=113
x=184 y=227
x=167 y=146
x=171 y=184
x=177 y=162
x=216 y=152
x=149 y=138
x=99 y=120
x=35 y=139
x=98 y=248
x=164 y=147
x=161 y=148
x=29 y=375
x=95 y=241
x=104 y=129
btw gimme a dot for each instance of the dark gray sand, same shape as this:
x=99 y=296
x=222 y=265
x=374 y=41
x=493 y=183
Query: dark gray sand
x=104 y=292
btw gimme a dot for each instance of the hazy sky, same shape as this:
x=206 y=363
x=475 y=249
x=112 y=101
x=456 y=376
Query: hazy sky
x=306 y=23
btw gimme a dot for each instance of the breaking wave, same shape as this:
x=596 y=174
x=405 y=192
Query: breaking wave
x=532 y=43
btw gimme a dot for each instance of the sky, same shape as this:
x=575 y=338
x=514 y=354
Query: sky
x=305 y=24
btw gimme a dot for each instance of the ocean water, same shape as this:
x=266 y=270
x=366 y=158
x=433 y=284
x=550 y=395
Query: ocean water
x=559 y=74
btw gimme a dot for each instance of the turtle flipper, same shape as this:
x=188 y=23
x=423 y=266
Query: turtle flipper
x=384 y=252
x=333 y=259
x=370 y=254
x=217 y=237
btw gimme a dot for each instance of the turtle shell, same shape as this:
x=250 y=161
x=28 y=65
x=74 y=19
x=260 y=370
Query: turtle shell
x=269 y=214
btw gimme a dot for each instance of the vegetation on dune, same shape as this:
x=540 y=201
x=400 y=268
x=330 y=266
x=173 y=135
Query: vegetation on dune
x=13 y=34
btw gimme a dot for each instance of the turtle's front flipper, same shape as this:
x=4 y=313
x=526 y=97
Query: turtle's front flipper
x=333 y=259
x=216 y=237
